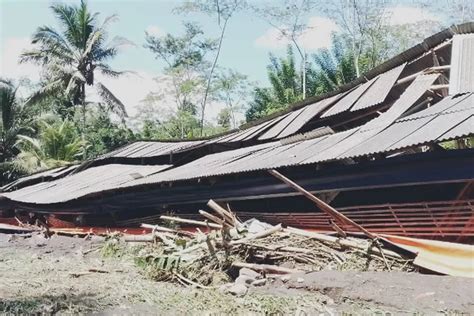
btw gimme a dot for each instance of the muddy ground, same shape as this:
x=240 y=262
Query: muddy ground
x=72 y=275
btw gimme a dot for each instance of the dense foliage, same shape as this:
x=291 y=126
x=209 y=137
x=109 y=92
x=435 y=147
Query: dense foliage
x=58 y=122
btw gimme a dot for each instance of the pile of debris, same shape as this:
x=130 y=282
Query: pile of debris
x=214 y=254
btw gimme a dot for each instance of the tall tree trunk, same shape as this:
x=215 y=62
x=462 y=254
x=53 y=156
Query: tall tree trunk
x=83 y=106
x=209 y=79
x=303 y=66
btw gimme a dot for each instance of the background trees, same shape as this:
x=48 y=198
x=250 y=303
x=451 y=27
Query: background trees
x=72 y=56
x=71 y=115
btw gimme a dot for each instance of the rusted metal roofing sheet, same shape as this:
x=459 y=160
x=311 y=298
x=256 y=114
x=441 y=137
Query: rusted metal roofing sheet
x=346 y=103
x=461 y=77
x=143 y=149
x=90 y=181
x=379 y=91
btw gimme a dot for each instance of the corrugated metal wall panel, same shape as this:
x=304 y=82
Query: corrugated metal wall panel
x=461 y=77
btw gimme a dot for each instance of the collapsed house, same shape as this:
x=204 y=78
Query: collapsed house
x=392 y=150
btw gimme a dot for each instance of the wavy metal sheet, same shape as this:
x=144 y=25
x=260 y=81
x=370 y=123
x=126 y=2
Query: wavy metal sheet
x=281 y=125
x=39 y=177
x=379 y=91
x=462 y=130
x=346 y=103
x=447 y=104
x=433 y=129
x=143 y=149
x=309 y=113
x=461 y=77
x=90 y=181
x=408 y=99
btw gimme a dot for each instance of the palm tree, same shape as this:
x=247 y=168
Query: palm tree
x=71 y=56
x=11 y=126
x=335 y=67
x=285 y=89
x=58 y=145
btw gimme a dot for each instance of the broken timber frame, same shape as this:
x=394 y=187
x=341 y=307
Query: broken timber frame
x=321 y=204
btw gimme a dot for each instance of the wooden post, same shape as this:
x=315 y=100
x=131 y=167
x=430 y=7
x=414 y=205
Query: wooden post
x=222 y=212
x=326 y=208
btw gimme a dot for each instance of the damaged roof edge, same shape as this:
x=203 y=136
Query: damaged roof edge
x=406 y=56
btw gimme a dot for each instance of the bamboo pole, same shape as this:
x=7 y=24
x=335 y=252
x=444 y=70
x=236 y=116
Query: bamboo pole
x=326 y=208
x=190 y=221
x=261 y=234
x=166 y=229
x=342 y=242
x=267 y=268
x=213 y=218
x=222 y=212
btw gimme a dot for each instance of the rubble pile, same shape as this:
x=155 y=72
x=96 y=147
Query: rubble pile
x=225 y=249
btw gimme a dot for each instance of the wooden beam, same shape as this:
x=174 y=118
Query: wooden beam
x=321 y=204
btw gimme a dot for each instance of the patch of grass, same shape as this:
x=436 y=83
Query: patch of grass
x=48 y=305
x=112 y=247
x=159 y=268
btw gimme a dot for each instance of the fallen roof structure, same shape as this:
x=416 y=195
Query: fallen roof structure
x=400 y=126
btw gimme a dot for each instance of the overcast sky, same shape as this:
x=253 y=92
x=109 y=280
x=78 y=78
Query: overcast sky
x=246 y=46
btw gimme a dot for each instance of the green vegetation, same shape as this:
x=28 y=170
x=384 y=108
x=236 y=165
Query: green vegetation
x=70 y=115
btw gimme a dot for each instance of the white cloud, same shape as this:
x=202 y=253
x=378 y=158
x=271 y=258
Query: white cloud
x=318 y=35
x=133 y=88
x=399 y=15
x=155 y=31
x=9 y=56
x=130 y=88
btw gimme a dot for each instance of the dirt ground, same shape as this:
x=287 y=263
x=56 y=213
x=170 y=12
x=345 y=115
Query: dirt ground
x=71 y=275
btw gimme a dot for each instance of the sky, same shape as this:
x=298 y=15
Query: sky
x=246 y=48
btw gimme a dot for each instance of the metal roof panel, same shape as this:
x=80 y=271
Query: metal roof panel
x=378 y=92
x=346 y=102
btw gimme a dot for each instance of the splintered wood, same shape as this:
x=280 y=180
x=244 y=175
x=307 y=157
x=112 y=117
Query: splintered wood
x=229 y=244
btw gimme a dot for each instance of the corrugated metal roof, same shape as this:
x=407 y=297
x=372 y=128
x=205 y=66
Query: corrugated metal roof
x=445 y=124
x=446 y=104
x=89 y=181
x=461 y=130
x=408 y=99
x=379 y=91
x=433 y=129
x=309 y=113
x=461 y=77
x=39 y=177
x=281 y=125
x=143 y=149
x=346 y=103
x=247 y=134
x=329 y=147
x=417 y=128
